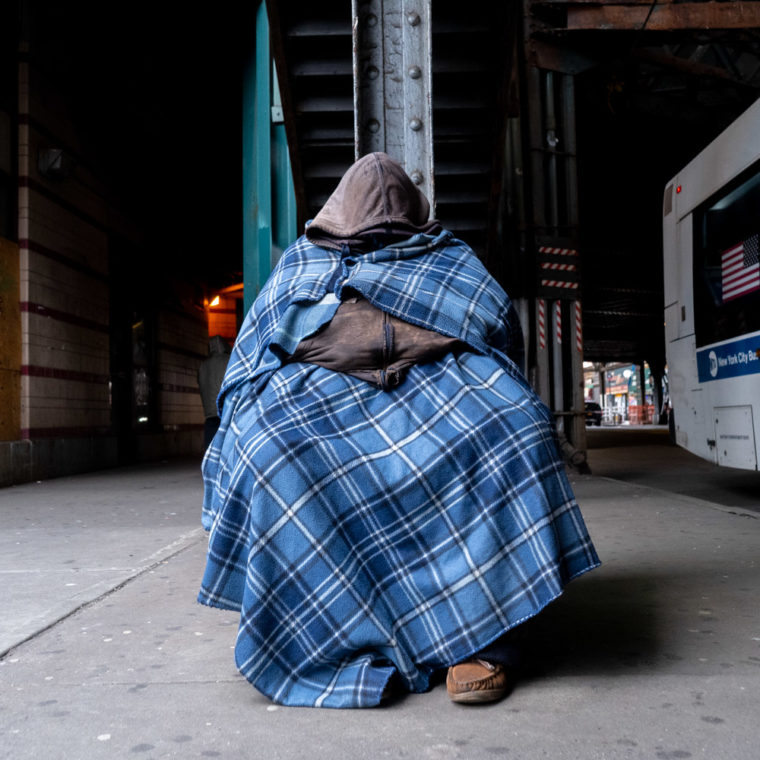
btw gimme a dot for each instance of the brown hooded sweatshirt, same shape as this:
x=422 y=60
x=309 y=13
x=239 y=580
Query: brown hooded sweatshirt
x=374 y=198
x=375 y=204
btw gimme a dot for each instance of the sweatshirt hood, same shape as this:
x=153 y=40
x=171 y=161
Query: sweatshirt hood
x=375 y=198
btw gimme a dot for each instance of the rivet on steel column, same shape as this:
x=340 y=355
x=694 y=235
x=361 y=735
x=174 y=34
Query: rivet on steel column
x=393 y=109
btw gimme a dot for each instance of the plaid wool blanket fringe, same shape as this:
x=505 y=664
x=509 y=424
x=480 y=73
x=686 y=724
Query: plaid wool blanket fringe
x=364 y=532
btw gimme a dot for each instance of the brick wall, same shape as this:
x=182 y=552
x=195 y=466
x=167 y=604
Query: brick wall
x=67 y=221
x=183 y=345
x=63 y=242
x=10 y=343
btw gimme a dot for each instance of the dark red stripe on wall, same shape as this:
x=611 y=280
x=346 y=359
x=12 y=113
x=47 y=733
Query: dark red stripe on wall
x=81 y=432
x=62 y=259
x=32 y=370
x=62 y=316
x=82 y=215
x=169 y=388
x=181 y=351
x=199 y=319
x=63 y=432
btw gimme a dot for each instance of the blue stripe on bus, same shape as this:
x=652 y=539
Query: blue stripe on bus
x=735 y=359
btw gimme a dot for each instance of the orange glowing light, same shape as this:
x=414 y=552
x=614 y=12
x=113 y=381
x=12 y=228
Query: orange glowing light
x=215 y=301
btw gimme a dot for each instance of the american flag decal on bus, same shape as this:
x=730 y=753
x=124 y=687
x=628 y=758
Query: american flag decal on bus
x=740 y=270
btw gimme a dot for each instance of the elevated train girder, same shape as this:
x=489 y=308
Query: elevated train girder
x=556 y=122
x=655 y=82
x=637 y=89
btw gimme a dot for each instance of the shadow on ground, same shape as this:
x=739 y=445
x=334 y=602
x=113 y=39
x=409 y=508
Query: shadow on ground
x=645 y=456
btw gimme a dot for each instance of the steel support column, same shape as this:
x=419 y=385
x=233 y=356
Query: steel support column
x=642 y=385
x=552 y=226
x=558 y=395
x=269 y=208
x=576 y=429
x=393 y=84
x=540 y=376
x=536 y=219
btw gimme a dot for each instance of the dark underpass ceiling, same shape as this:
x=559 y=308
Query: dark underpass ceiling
x=154 y=91
x=638 y=126
x=160 y=90
x=647 y=103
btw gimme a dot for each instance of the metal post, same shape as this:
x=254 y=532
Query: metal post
x=257 y=187
x=552 y=139
x=570 y=145
x=657 y=370
x=284 y=223
x=543 y=329
x=393 y=82
x=537 y=222
x=268 y=193
x=535 y=119
x=263 y=143
x=558 y=389
x=522 y=307
x=576 y=431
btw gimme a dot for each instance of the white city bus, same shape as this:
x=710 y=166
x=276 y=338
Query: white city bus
x=711 y=221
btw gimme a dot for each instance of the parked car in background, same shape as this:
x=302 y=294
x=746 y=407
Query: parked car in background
x=593 y=413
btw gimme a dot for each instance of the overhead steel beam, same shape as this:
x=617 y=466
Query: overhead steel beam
x=613 y=350
x=540 y=3
x=687 y=66
x=552 y=223
x=591 y=312
x=544 y=55
x=664 y=17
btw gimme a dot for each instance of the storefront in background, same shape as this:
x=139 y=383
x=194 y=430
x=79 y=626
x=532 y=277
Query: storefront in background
x=624 y=391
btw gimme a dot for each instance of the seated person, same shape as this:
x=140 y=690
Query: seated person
x=384 y=494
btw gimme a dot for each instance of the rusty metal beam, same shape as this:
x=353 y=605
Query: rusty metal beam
x=544 y=55
x=664 y=18
x=598 y=2
x=687 y=66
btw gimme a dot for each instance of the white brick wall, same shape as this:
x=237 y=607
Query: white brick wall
x=65 y=225
x=184 y=344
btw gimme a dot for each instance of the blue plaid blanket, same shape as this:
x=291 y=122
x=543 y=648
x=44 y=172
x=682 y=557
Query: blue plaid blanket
x=365 y=532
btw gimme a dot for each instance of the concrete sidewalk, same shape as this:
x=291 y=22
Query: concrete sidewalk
x=107 y=655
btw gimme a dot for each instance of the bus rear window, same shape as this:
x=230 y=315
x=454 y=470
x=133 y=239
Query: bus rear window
x=726 y=268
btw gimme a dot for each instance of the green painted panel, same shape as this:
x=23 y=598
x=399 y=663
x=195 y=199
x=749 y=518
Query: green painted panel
x=269 y=213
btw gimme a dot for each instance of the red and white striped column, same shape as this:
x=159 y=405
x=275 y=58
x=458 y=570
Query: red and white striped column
x=557 y=376
x=541 y=309
x=541 y=380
